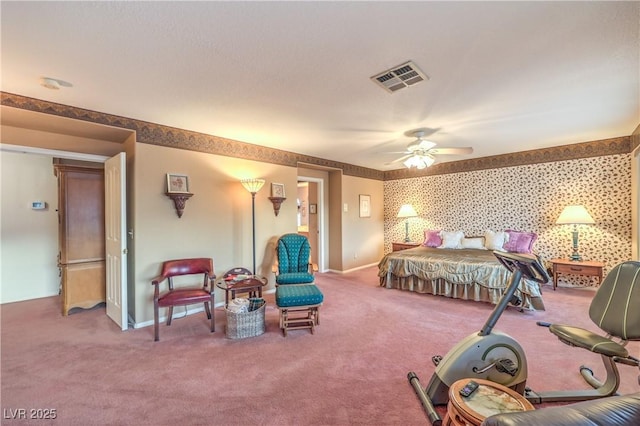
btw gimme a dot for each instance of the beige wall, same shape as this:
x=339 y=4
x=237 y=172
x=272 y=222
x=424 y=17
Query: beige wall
x=216 y=222
x=29 y=238
x=362 y=237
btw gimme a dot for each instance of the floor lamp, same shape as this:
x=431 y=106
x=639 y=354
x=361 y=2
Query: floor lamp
x=253 y=186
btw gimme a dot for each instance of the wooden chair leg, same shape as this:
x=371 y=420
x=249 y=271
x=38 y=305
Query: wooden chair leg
x=169 y=315
x=212 y=314
x=156 y=324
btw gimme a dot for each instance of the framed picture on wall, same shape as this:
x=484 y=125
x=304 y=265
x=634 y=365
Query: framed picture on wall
x=277 y=190
x=177 y=183
x=365 y=205
x=313 y=208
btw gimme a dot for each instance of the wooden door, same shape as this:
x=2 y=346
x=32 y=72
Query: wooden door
x=81 y=236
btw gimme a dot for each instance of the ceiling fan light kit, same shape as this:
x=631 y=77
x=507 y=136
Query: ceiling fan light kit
x=419 y=161
x=420 y=153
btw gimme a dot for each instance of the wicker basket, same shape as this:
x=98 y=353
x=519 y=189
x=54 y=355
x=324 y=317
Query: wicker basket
x=245 y=324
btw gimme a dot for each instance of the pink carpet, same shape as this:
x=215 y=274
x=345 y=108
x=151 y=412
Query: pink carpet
x=353 y=370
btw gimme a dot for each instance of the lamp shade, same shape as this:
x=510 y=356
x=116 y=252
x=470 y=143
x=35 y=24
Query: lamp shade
x=576 y=214
x=419 y=161
x=407 y=210
x=252 y=185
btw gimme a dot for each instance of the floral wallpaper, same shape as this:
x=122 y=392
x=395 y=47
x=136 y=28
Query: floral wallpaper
x=526 y=198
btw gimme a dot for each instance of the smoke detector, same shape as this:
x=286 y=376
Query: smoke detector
x=50 y=83
x=54 y=83
x=400 y=77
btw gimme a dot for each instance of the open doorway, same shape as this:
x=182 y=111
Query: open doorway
x=311 y=217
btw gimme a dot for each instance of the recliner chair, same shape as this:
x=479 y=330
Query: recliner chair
x=613 y=411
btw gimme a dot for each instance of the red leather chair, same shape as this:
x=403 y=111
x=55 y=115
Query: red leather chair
x=183 y=295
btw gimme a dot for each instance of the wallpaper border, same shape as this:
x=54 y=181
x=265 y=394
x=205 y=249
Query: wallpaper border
x=157 y=134
x=613 y=146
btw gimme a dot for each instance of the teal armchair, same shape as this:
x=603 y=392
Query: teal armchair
x=293 y=262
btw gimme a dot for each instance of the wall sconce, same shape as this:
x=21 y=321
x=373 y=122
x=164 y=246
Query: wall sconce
x=575 y=215
x=407 y=211
x=277 y=196
x=179 y=201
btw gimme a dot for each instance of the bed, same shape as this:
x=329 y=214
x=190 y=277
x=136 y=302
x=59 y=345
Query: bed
x=470 y=274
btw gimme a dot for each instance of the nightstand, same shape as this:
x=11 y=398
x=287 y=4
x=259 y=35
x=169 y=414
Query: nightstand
x=403 y=246
x=585 y=268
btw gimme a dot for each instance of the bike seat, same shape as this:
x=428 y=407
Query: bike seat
x=576 y=336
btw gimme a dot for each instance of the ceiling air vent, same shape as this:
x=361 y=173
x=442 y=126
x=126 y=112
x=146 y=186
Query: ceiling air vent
x=399 y=77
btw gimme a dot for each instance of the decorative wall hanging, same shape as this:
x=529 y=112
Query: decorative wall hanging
x=365 y=205
x=177 y=183
x=178 y=191
x=277 y=190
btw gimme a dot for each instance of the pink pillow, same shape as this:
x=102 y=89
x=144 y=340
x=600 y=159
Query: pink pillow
x=432 y=238
x=520 y=242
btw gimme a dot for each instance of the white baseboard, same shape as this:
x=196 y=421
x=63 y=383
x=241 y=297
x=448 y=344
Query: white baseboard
x=346 y=271
x=179 y=312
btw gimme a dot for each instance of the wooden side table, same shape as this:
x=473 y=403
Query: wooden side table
x=587 y=268
x=252 y=285
x=490 y=398
x=403 y=246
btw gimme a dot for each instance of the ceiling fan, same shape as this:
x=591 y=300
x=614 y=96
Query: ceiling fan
x=421 y=152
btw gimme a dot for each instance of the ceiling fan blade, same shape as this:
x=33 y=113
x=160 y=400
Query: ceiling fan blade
x=420 y=145
x=397 y=160
x=451 y=151
x=363 y=130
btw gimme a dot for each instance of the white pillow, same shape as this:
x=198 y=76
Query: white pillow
x=495 y=240
x=472 y=243
x=451 y=240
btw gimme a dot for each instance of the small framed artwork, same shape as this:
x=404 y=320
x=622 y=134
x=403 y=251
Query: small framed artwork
x=365 y=205
x=177 y=183
x=313 y=208
x=277 y=190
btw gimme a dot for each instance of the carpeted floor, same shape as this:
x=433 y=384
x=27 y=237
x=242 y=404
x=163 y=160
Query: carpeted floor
x=353 y=370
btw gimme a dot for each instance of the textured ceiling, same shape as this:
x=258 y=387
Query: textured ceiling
x=503 y=76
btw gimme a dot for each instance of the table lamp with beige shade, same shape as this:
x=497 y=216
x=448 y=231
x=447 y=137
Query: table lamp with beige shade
x=407 y=211
x=575 y=215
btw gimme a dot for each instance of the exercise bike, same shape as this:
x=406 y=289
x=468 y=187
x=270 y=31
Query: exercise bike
x=497 y=357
